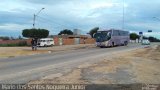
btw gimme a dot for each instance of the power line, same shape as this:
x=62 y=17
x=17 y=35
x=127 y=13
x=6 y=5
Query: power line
x=123 y=17
x=42 y=18
x=49 y=23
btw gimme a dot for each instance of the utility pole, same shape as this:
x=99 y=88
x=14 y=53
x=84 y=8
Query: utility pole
x=123 y=17
x=34 y=17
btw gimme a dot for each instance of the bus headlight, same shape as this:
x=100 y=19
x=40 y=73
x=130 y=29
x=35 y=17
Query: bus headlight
x=106 y=43
x=103 y=43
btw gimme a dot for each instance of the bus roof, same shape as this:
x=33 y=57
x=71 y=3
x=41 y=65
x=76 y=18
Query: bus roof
x=111 y=30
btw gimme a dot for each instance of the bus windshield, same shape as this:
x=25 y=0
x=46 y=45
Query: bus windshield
x=102 y=36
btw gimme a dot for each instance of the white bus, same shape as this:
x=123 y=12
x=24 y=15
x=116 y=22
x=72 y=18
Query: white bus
x=112 y=37
x=44 y=42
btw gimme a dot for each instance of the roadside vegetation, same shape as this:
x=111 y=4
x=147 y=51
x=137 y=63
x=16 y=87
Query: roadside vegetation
x=20 y=44
x=134 y=36
x=35 y=33
x=11 y=38
x=66 y=32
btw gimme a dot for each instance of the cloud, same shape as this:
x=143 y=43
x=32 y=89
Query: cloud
x=13 y=27
x=81 y=14
x=145 y=26
x=155 y=34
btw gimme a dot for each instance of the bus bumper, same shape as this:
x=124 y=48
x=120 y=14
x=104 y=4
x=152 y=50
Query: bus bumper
x=102 y=44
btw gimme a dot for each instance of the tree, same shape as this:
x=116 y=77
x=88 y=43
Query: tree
x=93 y=31
x=12 y=38
x=144 y=37
x=19 y=37
x=134 y=36
x=4 y=38
x=66 y=31
x=153 y=39
x=35 y=33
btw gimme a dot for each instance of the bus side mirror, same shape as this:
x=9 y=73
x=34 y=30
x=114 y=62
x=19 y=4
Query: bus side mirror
x=94 y=35
x=109 y=34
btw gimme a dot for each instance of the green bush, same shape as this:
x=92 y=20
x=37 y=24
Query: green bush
x=66 y=31
x=22 y=43
x=8 y=45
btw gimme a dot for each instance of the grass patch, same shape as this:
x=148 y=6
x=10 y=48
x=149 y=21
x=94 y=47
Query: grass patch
x=20 y=44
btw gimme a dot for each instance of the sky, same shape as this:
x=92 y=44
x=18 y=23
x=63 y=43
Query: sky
x=16 y=15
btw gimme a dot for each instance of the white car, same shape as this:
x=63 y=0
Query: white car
x=145 y=42
x=44 y=42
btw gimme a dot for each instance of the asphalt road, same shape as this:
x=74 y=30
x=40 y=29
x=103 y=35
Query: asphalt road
x=26 y=68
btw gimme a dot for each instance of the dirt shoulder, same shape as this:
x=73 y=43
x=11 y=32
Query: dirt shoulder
x=137 y=66
x=23 y=51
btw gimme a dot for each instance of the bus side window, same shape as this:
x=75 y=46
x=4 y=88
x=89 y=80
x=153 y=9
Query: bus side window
x=119 y=33
x=115 y=33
